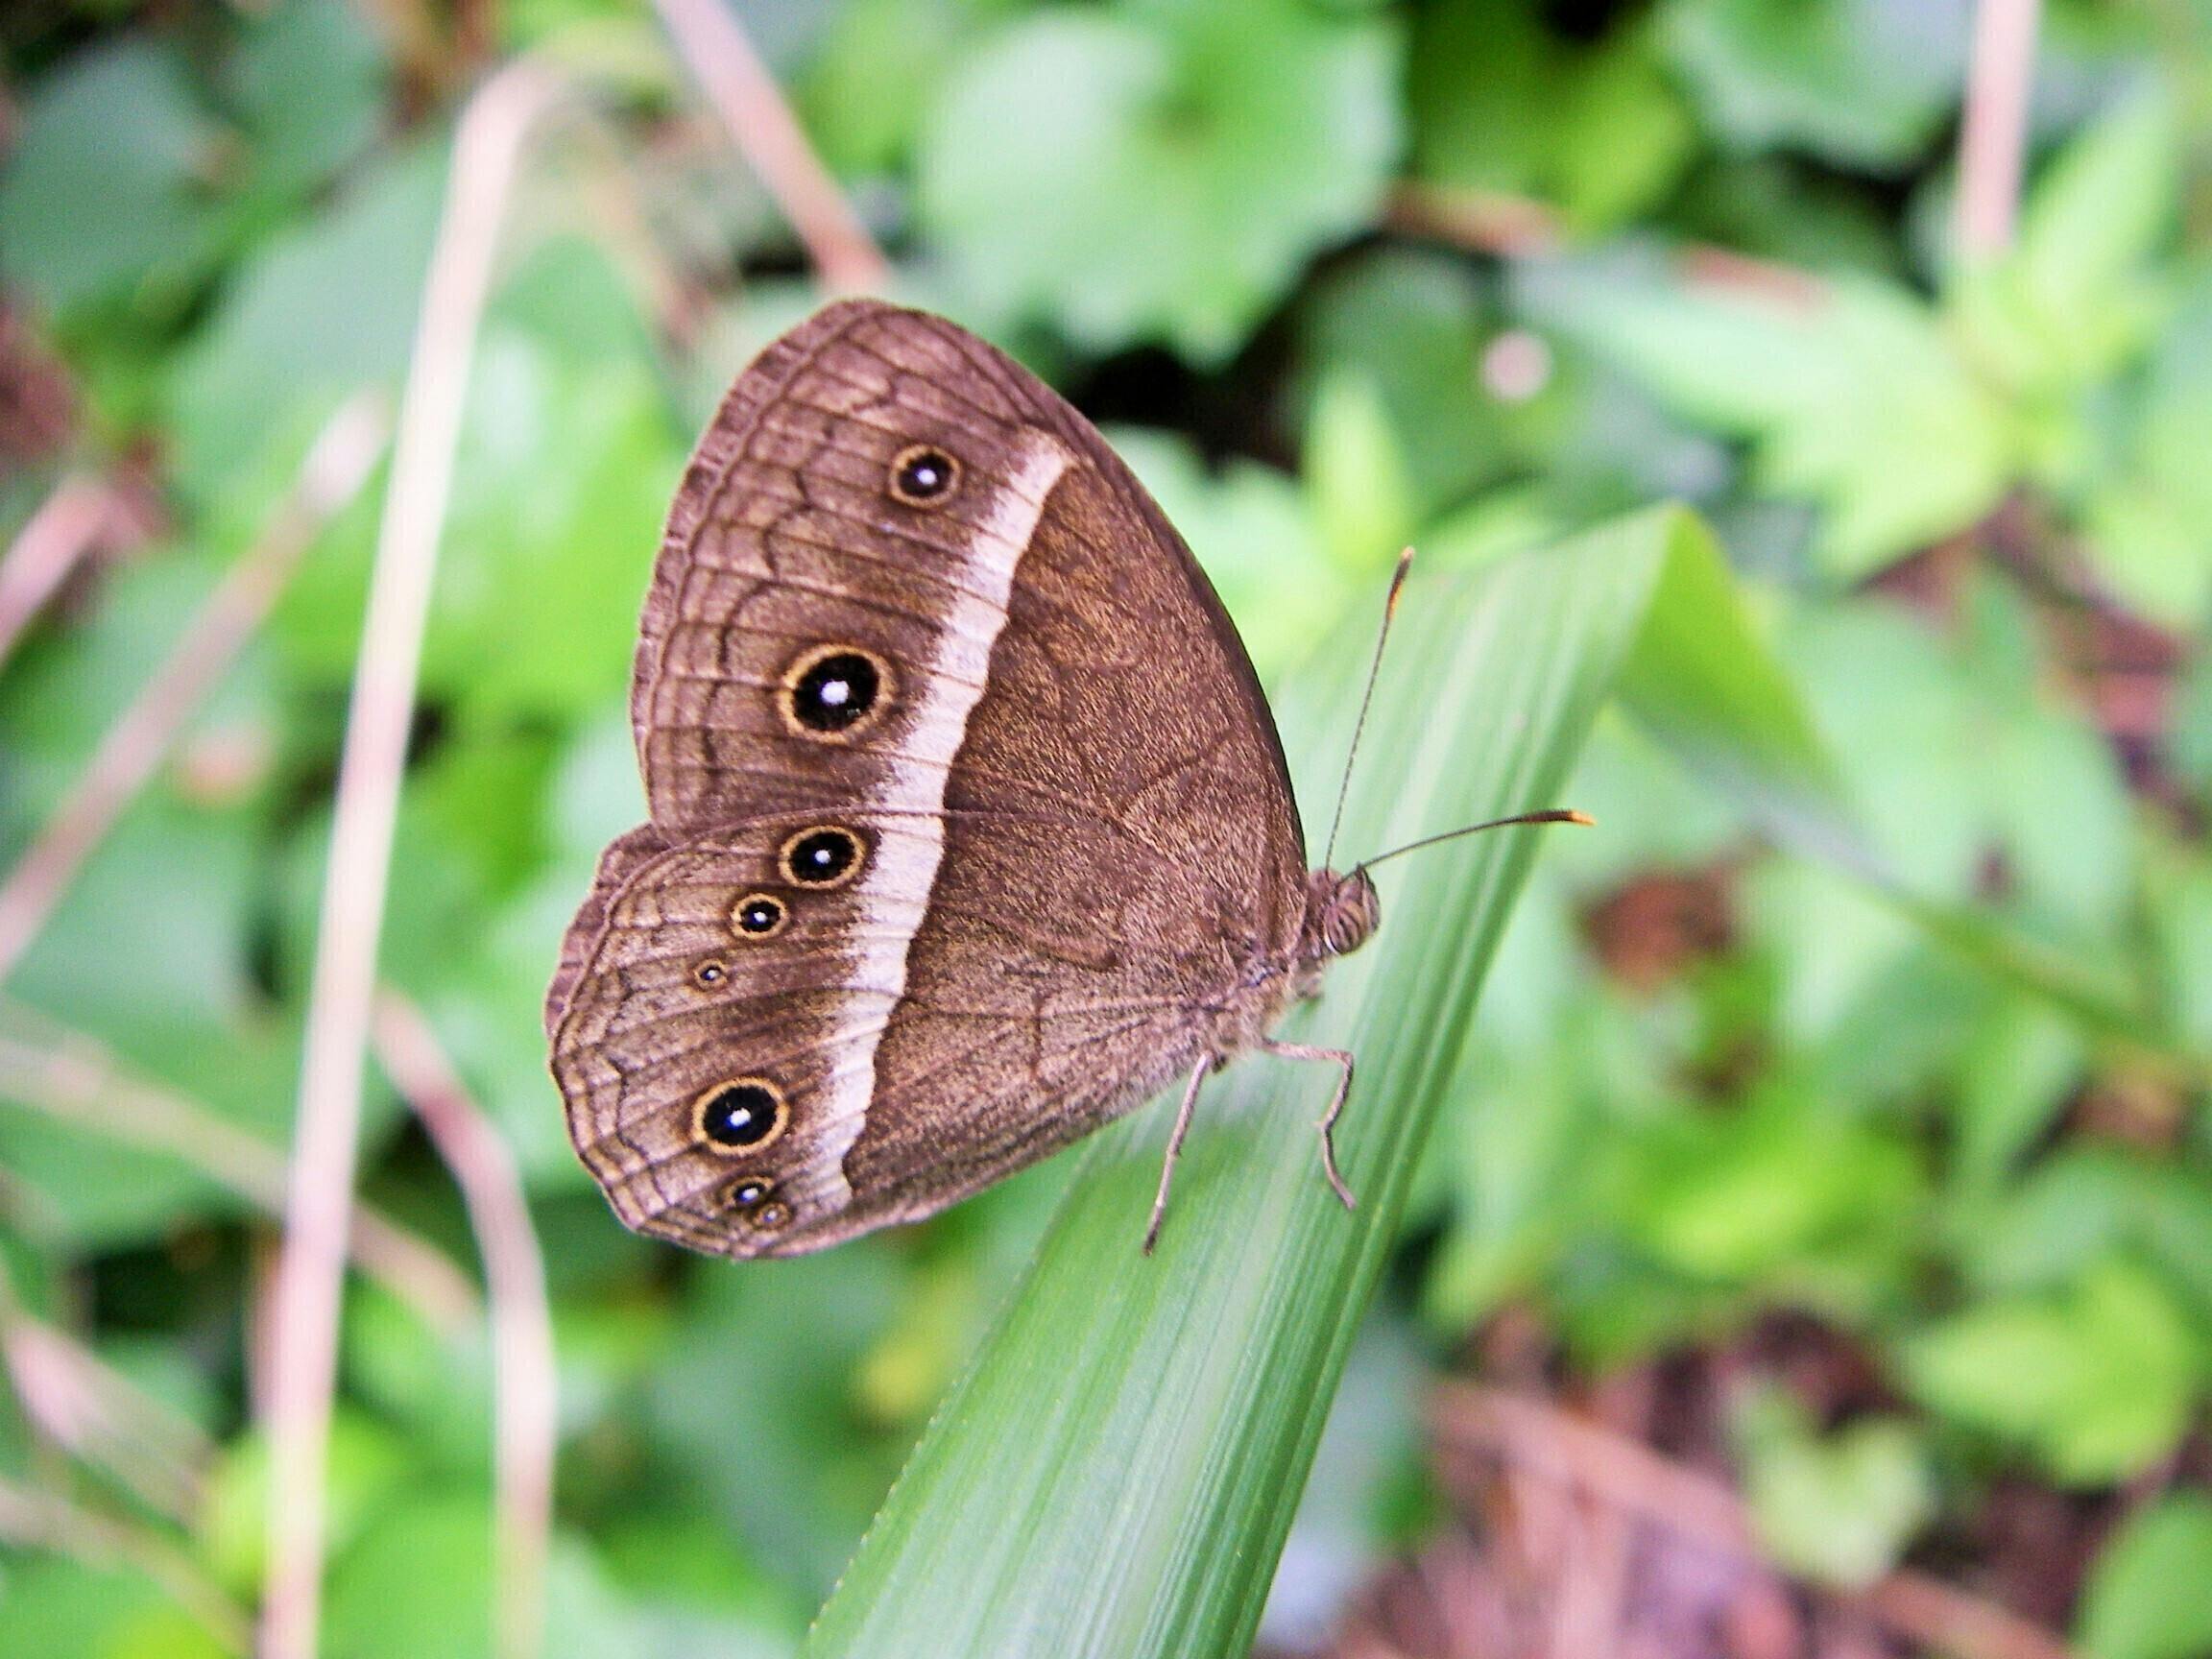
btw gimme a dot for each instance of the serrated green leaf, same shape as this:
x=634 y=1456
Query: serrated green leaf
x=1853 y=396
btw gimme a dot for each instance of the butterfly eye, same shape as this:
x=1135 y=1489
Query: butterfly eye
x=825 y=857
x=833 y=691
x=743 y=1114
x=708 y=973
x=924 y=475
x=757 y=915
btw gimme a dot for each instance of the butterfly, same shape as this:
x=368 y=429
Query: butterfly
x=969 y=828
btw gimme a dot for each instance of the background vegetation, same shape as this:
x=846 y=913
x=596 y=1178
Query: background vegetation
x=1813 y=1254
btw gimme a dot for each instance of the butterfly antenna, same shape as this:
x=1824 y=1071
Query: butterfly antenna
x=1366 y=699
x=1551 y=815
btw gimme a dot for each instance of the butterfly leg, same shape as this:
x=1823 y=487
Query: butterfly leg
x=1341 y=1059
x=1175 y=1147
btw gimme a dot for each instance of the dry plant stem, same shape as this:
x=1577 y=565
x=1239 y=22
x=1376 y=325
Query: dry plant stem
x=1506 y=226
x=1537 y=1437
x=94 y=1413
x=67 y=526
x=1489 y=221
x=77 y=1081
x=745 y=95
x=486 y=153
x=523 y=1406
x=97 y=1414
x=1993 y=135
x=337 y=466
x=44 y=1521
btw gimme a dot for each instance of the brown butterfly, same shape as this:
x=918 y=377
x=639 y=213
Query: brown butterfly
x=969 y=830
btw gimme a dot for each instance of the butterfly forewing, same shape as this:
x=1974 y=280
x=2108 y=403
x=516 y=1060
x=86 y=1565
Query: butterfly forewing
x=910 y=606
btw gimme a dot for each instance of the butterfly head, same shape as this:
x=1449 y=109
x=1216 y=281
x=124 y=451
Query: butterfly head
x=1341 y=912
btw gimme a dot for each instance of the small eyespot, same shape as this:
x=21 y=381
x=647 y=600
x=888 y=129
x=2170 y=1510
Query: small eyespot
x=748 y=1192
x=740 y=1116
x=708 y=973
x=832 y=691
x=757 y=915
x=772 y=1215
x=824 y=857
x=924 y=475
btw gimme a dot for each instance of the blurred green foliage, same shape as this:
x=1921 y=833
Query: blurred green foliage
x=1470 y=273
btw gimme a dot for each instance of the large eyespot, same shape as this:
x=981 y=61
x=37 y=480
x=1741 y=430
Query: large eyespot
x=740 y=1116
x=824 y=857
x=832 y=691
x=709 y=973
x=757 y=915
x=924 y=475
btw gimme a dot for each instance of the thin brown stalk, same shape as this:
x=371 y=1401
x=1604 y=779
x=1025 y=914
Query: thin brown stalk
x=31 y=1519
x=524 y=1378
x=1535 y=1436
x=337 y=466
x=488 y=150
x=76 y=1080
x=96 y=1414
x=60 y=536
x=1506 y=226
x=714 y=47
x=1491 y=222
x=1993 y=133
x=90 y=1410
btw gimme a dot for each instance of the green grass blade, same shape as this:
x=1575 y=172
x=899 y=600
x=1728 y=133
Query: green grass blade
x=1116 y=1475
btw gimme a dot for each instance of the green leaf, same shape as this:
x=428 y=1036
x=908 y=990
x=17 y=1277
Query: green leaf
x=418 y=1585
x=2097 y=1381
x=308 y=82
x=1884 y=698
x=1852 y=395
x=783 y=1352
x=325 y=311
x=60 y=1608
x=1705 y=681
x=1782 y=1192
x=2150 y=515
x=1502 y=103
x=2075 y=295
x=2150 y=1595
x=1412 y=321
x=1860 y=83
x=869 y=88
x=2016 y=1071
x=1356 y=476
x=1838 y=1508
x=1117 y=1473
x=1174 y=169
x=101 y=202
